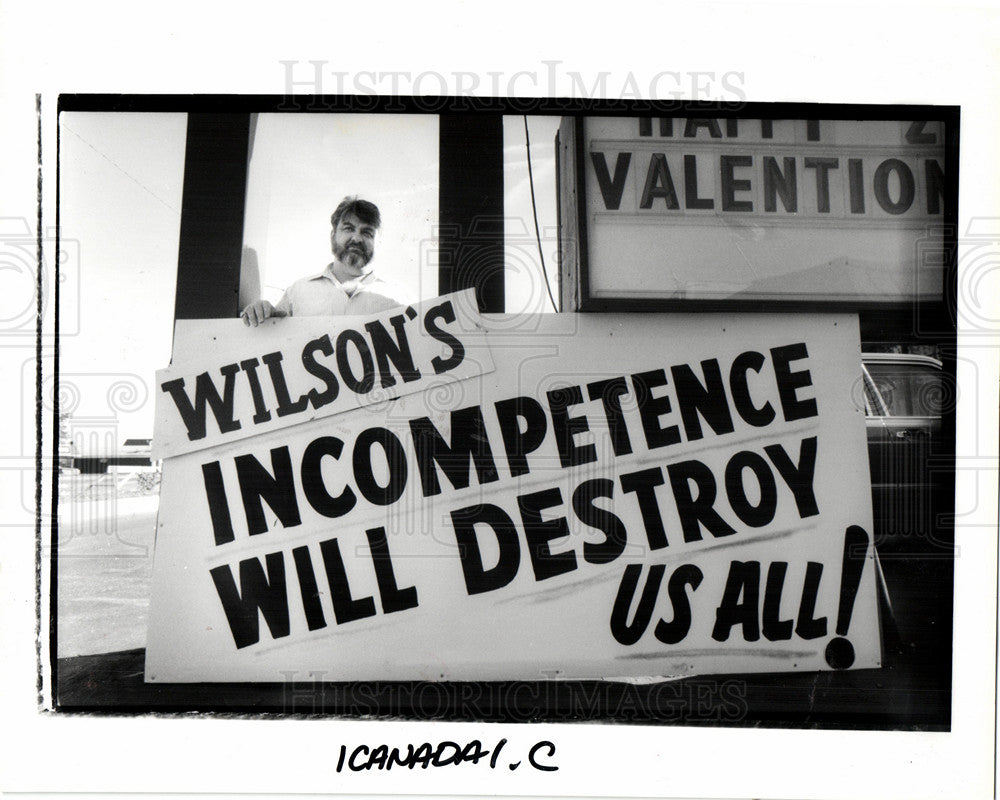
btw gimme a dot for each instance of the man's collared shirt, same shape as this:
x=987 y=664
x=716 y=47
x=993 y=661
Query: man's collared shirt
x=324 y=295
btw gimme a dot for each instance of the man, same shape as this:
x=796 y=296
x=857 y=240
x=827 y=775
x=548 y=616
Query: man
x=348 y=285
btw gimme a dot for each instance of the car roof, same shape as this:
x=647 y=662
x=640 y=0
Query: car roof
x=899 y=358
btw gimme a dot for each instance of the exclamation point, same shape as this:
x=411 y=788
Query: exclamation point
x=840 y=652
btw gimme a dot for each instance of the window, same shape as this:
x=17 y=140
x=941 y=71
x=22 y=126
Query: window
x=908 y=389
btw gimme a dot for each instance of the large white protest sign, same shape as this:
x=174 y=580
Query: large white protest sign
x=590 y=509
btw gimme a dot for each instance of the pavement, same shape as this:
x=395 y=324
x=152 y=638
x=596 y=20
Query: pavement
x=104 y=566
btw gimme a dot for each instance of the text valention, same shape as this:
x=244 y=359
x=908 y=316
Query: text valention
x=734 y=167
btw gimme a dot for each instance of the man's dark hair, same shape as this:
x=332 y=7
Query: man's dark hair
x=364 y=210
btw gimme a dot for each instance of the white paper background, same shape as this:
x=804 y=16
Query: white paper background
x=872 y=52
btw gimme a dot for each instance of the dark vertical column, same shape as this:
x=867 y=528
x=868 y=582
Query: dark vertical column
x=570 y=202
x=470 y=207
x=211 y=234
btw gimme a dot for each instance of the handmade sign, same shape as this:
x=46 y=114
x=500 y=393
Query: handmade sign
x=431 y=494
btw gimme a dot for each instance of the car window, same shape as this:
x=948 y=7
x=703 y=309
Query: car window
x=873 y=406
x=908 y=390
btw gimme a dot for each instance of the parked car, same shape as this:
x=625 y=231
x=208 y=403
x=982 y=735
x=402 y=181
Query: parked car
x=904 y=400
x=903 y=405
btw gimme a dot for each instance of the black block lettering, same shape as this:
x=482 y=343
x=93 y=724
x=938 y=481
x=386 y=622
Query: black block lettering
x=538 y=533
x=659 y=184
x=345 y=607
x=446 y=312
x=629 y=633
x=478 y=578
x=469 y=443
x=395 y=350
x=691 y=199
x=907 y=188
x=775 y=628
x=707 y=401
x=759 y=515
x=731 y=185
x=261 y=414
x=615 y=535
x=277 y=490
x=366 y=381
x=518 y=443
x=643 y=483
x=778 y=183
x=395 y=458
x=322 y=345
x=652 y=408
x=205 y=394
x=674 y=631
x=822 y=167
x=934 y=181
x=740 y=602
x=258 y=591
x=218 y=505
x=611 y=188
x=790 y=382
x=807 y=626
x=313 y=485
x=799 y=477
x=609 y=392
x=695 y=511
x=285 y=404
x=856 y=182
x=757 y=416
x=566 y=427
x=308 y=588
x=393 y=598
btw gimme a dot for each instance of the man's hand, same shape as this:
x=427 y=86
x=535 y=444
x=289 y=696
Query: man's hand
x=256 y=313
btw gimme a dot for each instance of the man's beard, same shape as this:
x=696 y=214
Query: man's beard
x=352 y=255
